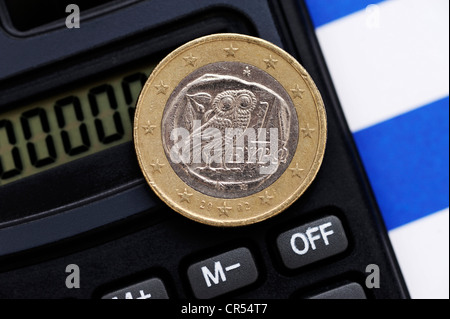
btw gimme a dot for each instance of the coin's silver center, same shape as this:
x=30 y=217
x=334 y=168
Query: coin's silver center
x=229 y=129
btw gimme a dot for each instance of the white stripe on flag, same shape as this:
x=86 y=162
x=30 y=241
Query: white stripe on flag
x=422 y=250
x=389 y=59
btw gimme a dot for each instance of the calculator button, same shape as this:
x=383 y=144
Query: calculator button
x=223 y=273
x=348 y=291
x=311 y=242
x=150 y=289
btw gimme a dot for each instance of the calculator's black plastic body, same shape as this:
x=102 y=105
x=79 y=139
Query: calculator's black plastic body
x=62 y=216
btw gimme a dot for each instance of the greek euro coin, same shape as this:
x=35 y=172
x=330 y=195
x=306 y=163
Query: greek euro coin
x=229 y=130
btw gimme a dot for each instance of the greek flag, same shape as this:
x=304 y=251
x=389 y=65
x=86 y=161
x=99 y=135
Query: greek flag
x=389 y=61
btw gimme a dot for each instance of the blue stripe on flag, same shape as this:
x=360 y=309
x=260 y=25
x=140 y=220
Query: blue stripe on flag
x=407 y=160
x=325 y=11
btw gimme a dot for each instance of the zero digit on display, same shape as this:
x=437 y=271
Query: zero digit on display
x=98 y=98
x=10 y=161
x=40 y=145
x=76 y=134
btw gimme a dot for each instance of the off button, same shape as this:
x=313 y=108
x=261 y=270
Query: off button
x=312 y=242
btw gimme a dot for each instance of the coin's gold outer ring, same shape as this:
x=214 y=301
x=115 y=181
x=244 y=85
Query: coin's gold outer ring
x=197 y=206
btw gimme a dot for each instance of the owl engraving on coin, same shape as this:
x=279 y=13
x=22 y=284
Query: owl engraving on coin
x=229 y=133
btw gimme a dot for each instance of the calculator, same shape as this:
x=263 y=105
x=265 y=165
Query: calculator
x=77 y=218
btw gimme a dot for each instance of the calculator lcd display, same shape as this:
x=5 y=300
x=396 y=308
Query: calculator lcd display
x=69 y=126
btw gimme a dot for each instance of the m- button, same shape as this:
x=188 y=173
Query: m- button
x=223 y=273
x=311 y=242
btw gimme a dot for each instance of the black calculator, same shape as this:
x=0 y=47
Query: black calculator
x=79 y=221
